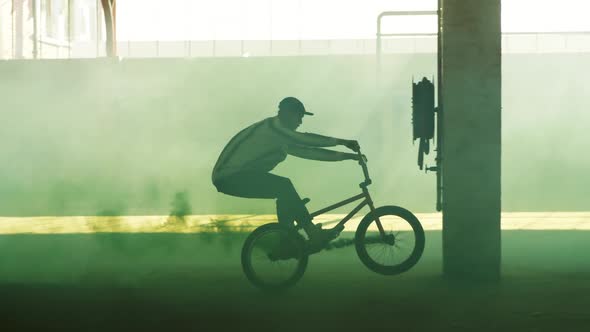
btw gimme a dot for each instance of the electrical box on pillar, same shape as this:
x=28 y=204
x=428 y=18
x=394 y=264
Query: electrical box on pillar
x=423 y=116
x=424 y=123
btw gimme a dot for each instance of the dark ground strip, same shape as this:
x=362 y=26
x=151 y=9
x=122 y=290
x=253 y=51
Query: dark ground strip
x=193 y=282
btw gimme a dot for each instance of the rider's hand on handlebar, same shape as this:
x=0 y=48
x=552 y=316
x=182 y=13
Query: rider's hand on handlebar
x=352 y=144
x=355 y=156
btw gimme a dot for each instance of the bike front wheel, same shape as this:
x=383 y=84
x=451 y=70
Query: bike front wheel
x=395 y=250
x=274 y=257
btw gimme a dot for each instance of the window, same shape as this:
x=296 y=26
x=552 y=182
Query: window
x=53 y=20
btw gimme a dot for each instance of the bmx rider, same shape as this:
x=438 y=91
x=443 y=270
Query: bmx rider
x=244 y=165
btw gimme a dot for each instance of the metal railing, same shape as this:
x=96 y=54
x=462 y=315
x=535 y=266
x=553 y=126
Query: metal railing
x=392 y=43
x=380 y=35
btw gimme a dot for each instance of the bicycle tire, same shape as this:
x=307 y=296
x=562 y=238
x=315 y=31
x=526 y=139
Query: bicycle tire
x=296 y=242
x=362 y=241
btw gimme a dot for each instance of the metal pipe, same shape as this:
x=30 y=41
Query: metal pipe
x=97 y=28
x=17 y=17
x=579 y=32
x=114 y=41
x=35 y=29
x=69 y=29
x=439 y=112
x=408 y=34
x=395 y=13
x=439 y=185
x=109 y=18
x=12 y=14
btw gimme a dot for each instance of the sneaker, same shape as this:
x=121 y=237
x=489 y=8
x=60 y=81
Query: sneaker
x=319 y=238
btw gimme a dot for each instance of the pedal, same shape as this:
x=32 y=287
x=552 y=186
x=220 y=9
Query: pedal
x=335 y=232
x=338 y=230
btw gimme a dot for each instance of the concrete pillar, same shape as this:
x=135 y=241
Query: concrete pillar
x=471 y=102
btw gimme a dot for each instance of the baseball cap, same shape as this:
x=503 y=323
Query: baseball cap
x=293 y=104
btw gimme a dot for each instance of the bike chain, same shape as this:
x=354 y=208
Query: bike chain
x=342 y=243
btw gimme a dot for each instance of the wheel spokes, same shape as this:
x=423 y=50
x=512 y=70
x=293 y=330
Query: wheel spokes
x=392 y=248
x=274 y=266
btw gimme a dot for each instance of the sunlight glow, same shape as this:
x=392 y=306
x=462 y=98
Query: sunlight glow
x=317 y=19
x=246 y=223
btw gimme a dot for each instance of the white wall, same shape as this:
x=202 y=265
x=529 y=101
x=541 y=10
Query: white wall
x=5 y=29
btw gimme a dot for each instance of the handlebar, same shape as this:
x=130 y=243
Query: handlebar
x=363 y=164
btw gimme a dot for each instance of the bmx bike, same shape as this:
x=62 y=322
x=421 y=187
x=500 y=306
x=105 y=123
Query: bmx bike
x=388 y=240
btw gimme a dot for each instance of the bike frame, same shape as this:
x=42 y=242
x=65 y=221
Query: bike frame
x=364 y=195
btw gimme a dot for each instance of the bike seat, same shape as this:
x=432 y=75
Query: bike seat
x=305 y=201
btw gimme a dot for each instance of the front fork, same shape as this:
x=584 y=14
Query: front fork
x=372 y=207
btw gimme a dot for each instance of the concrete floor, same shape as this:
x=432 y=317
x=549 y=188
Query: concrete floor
x=155 y=274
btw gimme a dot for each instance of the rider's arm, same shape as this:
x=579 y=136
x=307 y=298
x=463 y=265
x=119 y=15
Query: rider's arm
x=305 y=139
x=317 y=153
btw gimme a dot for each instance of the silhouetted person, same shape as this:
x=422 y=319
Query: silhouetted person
x=243 y=166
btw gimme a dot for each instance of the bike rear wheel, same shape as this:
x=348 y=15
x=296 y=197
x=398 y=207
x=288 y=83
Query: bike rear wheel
x=273 y=257
x=396 y=251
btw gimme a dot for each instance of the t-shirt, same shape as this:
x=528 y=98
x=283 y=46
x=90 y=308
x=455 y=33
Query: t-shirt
x=263 y=145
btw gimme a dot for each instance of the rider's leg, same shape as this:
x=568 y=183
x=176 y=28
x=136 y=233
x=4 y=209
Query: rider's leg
x=292 y=207
x=289 y=203
x=285 y=216
x=266 y=185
